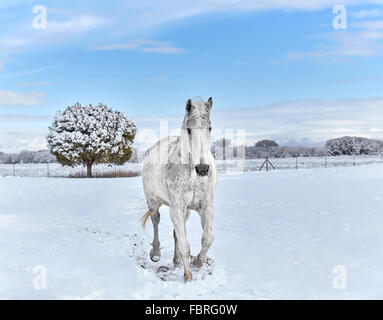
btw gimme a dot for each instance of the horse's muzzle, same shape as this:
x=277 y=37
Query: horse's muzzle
x=202 y=169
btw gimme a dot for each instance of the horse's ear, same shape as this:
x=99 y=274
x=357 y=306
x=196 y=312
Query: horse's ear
x=210 y=102
x=188 y=106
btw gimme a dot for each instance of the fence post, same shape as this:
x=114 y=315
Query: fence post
x=325 y=160
x=296 y=161
x=353 y=159
x=14 y=168
x=267 y=163
x=47 y=168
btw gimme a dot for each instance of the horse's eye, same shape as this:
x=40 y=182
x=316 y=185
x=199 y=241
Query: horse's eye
x=210 y=129
x=189 y=131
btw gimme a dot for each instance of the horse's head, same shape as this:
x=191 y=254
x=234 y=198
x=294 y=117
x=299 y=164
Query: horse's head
x=195 y=133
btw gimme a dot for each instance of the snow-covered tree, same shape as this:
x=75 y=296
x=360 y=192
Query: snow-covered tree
x=266 y=144
x=353 y=145
x=91 y=134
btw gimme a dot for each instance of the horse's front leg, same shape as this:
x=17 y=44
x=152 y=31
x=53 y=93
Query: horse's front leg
x=207 y=217
x=176 y=258
x=177 y=214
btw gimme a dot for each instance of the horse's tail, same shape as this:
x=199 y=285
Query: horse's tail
x=146 y=216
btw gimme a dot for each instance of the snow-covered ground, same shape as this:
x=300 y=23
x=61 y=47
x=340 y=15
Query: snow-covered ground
x=278 y=235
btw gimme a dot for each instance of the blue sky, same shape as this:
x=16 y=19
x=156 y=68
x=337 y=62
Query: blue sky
x=277 y=69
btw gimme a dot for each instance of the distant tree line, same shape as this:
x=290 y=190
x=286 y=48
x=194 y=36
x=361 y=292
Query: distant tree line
x=223 y=148
x=42 y=156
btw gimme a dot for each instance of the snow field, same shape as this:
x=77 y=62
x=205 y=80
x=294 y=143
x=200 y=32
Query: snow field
x=278 y=235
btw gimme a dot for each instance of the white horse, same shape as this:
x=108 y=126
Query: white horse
x=180 y=172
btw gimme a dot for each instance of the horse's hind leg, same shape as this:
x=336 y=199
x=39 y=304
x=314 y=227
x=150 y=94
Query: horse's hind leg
x=207 y=215
x=155 y=252
x=176 y=259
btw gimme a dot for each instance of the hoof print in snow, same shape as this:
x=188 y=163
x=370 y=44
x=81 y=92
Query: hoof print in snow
x=138 y=249
x=168 y=273
x=204 y=271
x=175 y=273
x=208 y=267
x=163 y=273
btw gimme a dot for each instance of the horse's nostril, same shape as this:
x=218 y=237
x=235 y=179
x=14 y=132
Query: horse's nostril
x=202 y=169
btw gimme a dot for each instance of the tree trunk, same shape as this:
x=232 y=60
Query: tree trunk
x=89 y=169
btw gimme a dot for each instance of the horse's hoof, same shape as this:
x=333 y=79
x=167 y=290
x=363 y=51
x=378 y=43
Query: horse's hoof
x=154 y=257
x=188 y=277
x=197 y=263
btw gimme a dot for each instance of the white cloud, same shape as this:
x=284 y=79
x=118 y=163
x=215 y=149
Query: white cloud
x=362 y=14
x=17 y=118
x=29 y=72
x=168 y=50
x=14 y=98
x=80 y=24
x=308 y=121
x=145 y=45
x=357 y=43
x=19 y=139
x=362 y=38
x=23 y=132
x=363 y=43
x=371 y=25
x=57 y=31
x=12 y=3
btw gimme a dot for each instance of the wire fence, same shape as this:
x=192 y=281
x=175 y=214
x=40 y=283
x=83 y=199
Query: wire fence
x=296 y=163
x=224 y=166
x=58 y=171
